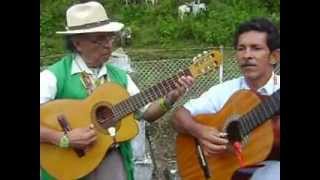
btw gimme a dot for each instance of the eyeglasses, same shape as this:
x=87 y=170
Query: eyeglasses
x=102 y=40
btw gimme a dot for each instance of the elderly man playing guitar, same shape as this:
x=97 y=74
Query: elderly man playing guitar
x=89 y=34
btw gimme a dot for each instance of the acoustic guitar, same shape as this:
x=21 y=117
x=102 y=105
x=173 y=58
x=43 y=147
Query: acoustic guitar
x=110 y=109
x=246 y=119
x=245 y=173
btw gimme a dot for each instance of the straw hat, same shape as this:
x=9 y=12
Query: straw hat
x=89 y=17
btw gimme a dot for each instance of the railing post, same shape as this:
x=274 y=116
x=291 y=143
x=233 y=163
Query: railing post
x=221 y=65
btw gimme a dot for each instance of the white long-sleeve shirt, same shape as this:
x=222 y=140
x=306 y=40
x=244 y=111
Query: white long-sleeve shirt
x=214 y=99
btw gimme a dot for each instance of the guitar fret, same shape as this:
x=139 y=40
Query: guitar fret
x=269 y=106
x=136 y=101
x=128 y=107
x=246 y=123
x=144 y=98
x=154 y=90
x=276 y=98
x=252 y=115
x=125 y=105
x=169 y=84
x=259 y=112
x=265 y=109
x=251 y=124
x=132 y=105
x=172 y=85
x=118 y=113
x=243 y=130
x=245 y=120
x=161 y=88
x=174 y=80
x=255 y=114
x=165 y=87
x=158 y=90
x=256 y=123
x=274 y=102
x=147 y=97
x=154 y=93
x=122 y=106
x=116 y=110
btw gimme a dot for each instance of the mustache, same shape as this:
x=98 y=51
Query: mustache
x=247 y=64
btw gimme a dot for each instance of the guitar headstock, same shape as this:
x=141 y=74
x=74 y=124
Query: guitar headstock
x=205 y=62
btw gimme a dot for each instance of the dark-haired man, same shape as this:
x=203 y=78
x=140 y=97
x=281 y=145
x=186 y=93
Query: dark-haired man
x=257 y=45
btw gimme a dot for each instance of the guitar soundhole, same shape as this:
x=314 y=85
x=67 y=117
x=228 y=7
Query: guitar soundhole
x=104 y=116
x=233 y=130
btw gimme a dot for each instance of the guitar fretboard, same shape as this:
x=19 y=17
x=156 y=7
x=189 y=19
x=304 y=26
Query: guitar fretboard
x=137 y=101
x=261 y=113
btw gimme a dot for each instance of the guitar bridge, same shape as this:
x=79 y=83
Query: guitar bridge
x=64 y=124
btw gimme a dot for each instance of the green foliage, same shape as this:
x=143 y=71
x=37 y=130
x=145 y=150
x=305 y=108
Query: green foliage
x=160 y=26
x=52 y=19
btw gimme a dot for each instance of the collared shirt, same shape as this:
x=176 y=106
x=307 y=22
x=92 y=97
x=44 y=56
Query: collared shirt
x=214 y=99
x=48 y=81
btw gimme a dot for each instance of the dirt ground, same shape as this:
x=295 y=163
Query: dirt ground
x=162 y=138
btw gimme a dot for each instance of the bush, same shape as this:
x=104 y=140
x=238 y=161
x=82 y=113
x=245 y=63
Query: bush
x=160 y=26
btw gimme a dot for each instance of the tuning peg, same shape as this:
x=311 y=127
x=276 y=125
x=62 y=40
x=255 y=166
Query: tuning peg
x=194 y=59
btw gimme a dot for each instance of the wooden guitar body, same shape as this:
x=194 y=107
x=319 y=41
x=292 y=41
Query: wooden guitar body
x=255 y=148
x=64 y=163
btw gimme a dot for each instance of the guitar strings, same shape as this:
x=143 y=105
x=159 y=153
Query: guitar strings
x=122 y=107
x=250 y=120
x=149 y=94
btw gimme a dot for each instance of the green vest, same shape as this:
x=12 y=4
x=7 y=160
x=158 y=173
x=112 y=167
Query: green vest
x=70 y=87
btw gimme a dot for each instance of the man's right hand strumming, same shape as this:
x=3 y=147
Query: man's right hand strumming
x=211 y=140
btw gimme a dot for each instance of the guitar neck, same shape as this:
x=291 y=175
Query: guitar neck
x=261 y=113
x=139 y=100
x=201 y=65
